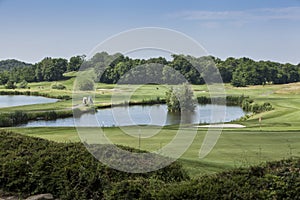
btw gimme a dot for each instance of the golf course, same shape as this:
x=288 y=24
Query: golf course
x=267 y=136
x=115 y=127
x=149 y=100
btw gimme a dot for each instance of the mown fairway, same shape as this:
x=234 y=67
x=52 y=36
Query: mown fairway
x=235 y=148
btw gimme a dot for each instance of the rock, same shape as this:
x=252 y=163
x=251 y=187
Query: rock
x=40 y=197
x=9 y=198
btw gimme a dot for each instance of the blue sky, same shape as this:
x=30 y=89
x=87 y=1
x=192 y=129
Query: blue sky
x=259 y=29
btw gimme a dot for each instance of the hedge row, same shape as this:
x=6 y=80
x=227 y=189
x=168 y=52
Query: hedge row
x=244 y=102
x=18 y=117
x=229 y=100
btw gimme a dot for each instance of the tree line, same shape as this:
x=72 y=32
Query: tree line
x=12 y=63
x=118 y=68
x=48 y=69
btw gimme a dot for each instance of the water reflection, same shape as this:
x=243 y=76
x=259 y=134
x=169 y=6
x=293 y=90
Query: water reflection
x=147 y=115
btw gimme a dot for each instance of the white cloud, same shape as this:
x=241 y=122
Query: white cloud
x=287 y=13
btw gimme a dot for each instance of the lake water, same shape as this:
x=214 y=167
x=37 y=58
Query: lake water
x=146 y=115
x=21 y=100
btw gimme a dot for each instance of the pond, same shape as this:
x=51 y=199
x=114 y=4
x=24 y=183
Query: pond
x=21 y=100
x=146 y=115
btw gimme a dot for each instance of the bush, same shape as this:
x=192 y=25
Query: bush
x=64 y=97
x=274 y=180
x=19 y=117
x=244 y=102
x=58 y=86
x=140 y=188
x=31 y=165
x=10 y=85
x=250 y=106
x=23 y=84
x=66 y=170
x=13 y=119
x=85 y=84
x=204 y=100
x=230 y=100
x=267 y=106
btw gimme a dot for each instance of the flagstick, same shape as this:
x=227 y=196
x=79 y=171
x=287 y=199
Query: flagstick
x=139 y=138
x=259 y=123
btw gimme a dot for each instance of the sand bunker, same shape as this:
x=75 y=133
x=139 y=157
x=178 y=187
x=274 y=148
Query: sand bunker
x=222 y=126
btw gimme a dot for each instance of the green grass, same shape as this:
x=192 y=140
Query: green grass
x=284 y=98
x=276 y=138
x=235 y=148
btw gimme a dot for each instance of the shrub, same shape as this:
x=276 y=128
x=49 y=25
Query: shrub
x=10 y=85
x=32 y=165
x=23 y=84
x=58 y=86
x=255 y=108
x=267 y=106
x=66 y=170
x=274 y=180
x=19 y=117
x=244 y=102
x=230 y=100
x=139 y=188
x=85 y=84
x=203 y=100
x=13 y=119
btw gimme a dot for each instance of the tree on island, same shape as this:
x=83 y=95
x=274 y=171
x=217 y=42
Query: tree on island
x=180 y=98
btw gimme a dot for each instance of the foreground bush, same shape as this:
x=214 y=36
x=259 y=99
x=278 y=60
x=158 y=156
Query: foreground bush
x=275 y=180
x=68 y=171
x=30 y=166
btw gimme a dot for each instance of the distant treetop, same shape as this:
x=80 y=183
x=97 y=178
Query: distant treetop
x=12 y=63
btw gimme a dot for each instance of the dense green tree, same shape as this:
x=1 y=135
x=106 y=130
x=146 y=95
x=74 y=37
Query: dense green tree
x=180 y=98
x=238 y=79
x=4 y=77
x=75 y=63
x=38 y=73
x=182 y=68
x=11 y=64
x=28 y=74
x=52 y=69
